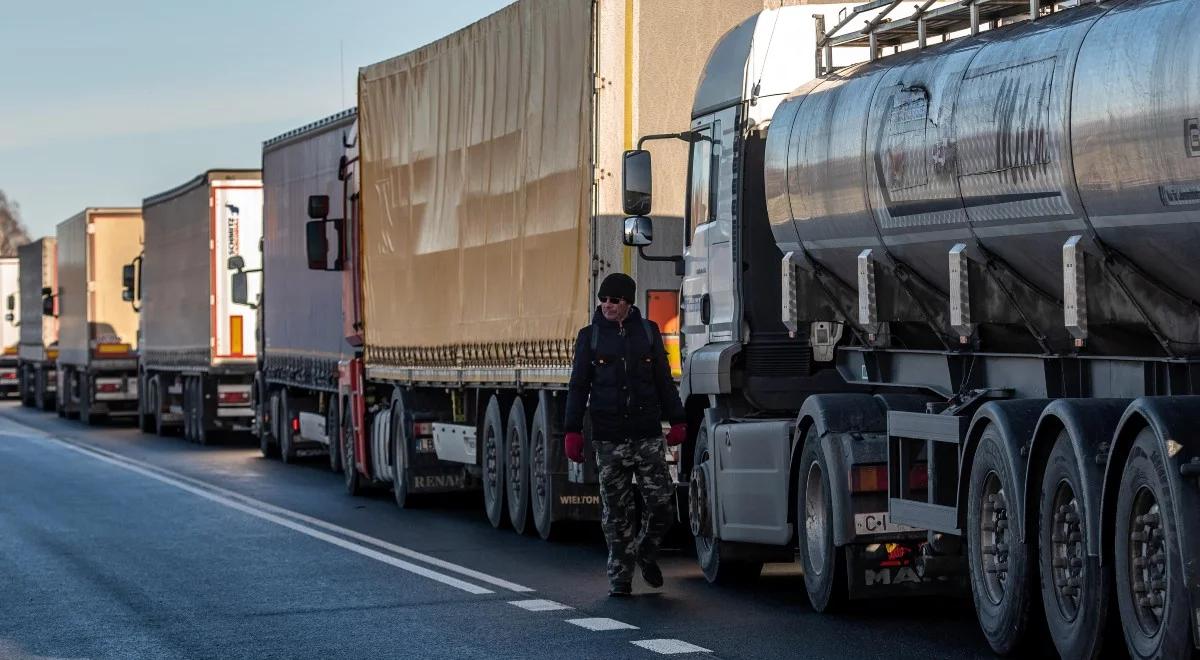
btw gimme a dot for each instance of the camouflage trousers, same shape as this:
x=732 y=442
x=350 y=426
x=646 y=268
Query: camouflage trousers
x=621 y=463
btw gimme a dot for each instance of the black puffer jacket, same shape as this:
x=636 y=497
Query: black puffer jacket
x=626 y=382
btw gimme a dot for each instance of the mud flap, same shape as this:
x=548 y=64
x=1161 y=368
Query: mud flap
x=892 y=569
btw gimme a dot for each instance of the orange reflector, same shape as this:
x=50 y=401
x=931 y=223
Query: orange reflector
x=10 y=350
x=662 y=307
x=113 y=349
x=52 y=354
x=868 y=479
x=235 y=335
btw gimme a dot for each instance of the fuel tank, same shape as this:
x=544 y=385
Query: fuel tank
x=1058 y=161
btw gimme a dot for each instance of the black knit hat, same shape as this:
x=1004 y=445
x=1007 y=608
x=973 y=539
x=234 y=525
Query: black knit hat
x=618 y=285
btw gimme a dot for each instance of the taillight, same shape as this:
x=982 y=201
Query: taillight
x=233 y=398
x=422 y=429
x=8 y=375
x=295 y=425
x=869 y=478
x=108 y=388
x=873 y=478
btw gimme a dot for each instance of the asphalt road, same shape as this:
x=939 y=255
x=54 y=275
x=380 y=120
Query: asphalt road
x=117 y=544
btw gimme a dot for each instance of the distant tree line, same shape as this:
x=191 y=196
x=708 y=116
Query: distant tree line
x=12 y=231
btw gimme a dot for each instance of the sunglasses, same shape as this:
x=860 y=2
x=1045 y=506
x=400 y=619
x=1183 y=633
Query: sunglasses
x=611 y=300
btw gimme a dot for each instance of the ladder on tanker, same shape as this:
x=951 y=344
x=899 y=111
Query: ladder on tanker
x=888 y=29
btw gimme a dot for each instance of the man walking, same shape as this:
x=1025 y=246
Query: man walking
x=622 y=376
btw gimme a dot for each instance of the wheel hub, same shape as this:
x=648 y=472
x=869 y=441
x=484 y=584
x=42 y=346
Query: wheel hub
x=698 y=514
x=994 y=538
x=1147 y=562
x=1067 y=551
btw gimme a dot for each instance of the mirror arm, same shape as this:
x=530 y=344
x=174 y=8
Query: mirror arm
x=677 y=260
x=686 y=136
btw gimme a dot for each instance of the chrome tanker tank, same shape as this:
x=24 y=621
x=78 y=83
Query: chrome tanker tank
x=1034 y=188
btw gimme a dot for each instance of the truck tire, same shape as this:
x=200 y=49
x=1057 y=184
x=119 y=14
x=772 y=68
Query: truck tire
x=399 y=447
x=717 y=569
x=24 y=388
x=350 y=476
x=145 y=419
x=541 y=481
x=72 y=384
x=267 y=444
x=85 y=400
x=492 y=456
x=189 y=432
x=40 y=387
x=1075 y=591
x=159 y=389
x=333 y=429
x=1151 y=592
x=824 y=563
x=516 y=456
x=199 y=432
x=1000 y=567
x=283 y=427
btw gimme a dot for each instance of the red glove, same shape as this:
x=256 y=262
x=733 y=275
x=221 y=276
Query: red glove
x=676 y=435
x=573 y=446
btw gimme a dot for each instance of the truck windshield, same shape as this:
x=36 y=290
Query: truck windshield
x=699 y=208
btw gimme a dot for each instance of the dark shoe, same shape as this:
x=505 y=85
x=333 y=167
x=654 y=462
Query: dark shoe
x=620 y=590
x=652 y=574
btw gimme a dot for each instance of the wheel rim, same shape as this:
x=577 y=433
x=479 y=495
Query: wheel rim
x=491 y=472
x=698 y=514
x=538 y=472
x=1147 y=562
x=815 y=521
x=515 y=478
x=993 y=538
x=348 y=468
x=1066 y=551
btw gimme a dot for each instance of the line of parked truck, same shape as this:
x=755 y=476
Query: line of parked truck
x=927 y=281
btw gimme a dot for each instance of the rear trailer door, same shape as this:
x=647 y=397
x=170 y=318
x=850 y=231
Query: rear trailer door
x=236 y=231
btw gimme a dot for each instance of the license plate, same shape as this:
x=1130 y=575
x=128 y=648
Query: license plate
x=878 y=523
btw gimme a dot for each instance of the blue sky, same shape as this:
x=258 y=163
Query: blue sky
x=105 y=103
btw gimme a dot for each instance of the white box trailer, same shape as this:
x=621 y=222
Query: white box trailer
x=97 y=360
x=37 y=352
x=198 y=346
x=10 y=327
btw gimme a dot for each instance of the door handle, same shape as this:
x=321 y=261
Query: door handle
x=705 y=309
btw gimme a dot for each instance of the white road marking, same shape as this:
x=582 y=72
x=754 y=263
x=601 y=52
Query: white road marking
x=600 y=623
x=280 y=511
x=539 y=605
x=669 y=646
x=281 y=521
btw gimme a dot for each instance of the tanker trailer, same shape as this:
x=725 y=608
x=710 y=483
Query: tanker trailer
x=992 y=237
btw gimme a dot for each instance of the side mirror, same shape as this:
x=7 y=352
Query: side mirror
x=236 y=262
x=239 y=288
x=318 y=207
x=47 y=292
x=11 y=303
x=127 y=295
x=321 y=254
x=636 y=182
x=639 y=231
x=127 y=279
x=9 y=317
x=48 y=306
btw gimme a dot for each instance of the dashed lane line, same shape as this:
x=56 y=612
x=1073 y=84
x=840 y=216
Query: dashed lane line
x=287 y=513
x=539 y=605
x=669 y=646
x=601 y=623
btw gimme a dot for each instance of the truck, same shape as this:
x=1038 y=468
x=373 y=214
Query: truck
x=37 y=353
x=482 y=210
x=295 y=390
x=988 y=240
x=97 y=345
x=197 y=346
x=9 y=329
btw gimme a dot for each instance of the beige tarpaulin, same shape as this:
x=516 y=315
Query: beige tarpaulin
x=476 y=189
